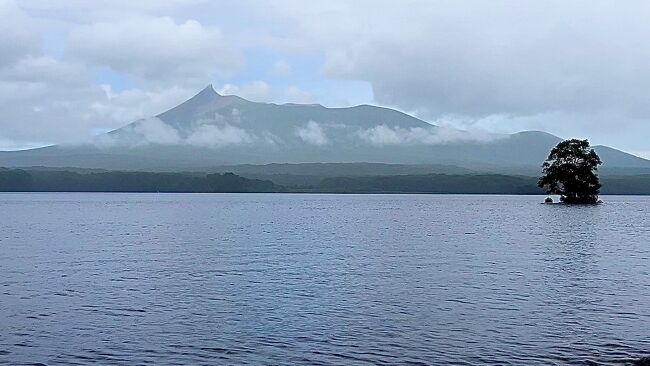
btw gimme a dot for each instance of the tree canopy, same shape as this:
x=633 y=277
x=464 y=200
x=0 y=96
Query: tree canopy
x=571 y=172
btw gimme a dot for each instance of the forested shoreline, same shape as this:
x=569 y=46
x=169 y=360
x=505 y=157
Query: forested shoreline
x=25 y=180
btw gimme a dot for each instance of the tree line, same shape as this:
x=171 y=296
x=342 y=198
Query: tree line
x=67 y=181
x=19 y=180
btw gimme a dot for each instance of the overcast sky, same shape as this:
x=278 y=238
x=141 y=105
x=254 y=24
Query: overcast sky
x=71 y=69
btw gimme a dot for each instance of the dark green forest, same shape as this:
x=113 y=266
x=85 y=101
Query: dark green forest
x=67 y=181
x=26 y=180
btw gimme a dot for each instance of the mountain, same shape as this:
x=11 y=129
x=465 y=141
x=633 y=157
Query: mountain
x=211 y=130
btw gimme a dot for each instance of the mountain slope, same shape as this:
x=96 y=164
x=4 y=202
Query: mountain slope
x=211 y=130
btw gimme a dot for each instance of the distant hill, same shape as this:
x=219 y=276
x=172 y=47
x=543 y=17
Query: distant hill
x=19 y=180
x=211 y=130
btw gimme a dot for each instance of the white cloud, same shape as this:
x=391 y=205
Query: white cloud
x=218 y=136
x=281 y=68
x=46 y=69
x=60 y=111
x=84 y=9
x=384 y=135
x=48 y=98
x=572 y=68
x=257 y=91
x=156 y=48
x=312 y=133
x=131 y=104
x=511 y=59
x=482 y=58
x=18 y=35
x=296 y=95
x=143 y=132
x=153 y=131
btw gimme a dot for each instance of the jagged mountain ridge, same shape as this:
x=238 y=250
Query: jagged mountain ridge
x=210 y=130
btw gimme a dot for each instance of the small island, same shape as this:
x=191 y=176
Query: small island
x=571 y=172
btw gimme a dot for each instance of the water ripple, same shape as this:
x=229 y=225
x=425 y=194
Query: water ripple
x=322 y=280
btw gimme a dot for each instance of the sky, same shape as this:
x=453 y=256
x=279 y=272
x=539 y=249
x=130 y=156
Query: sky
x=76 y=68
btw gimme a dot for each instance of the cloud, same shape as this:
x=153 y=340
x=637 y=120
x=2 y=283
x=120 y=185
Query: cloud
x=154 y=131
x=312 y=133
x=257 y=91
x=216 y=136
x=510 y=59
x=131 y=104
x=281 y=68
x=10 y=145
x=156 y=48
x=469 y=58
x=143 y=132
x=48 y=98
x=18 y=35
x=571 y=68
x=46 y=69
x=48 y=106
x=384 y=135
x=82 y=10
x=296 y=95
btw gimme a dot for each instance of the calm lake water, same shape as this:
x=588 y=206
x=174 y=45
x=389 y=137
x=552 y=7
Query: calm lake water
x=322 y=279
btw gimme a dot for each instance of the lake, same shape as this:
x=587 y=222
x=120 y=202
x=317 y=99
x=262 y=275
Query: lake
x=322 y=279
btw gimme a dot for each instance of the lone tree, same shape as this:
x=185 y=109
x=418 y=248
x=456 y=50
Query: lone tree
x=570 y=171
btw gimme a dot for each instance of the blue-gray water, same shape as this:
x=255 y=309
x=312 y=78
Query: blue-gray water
x=322 y=279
